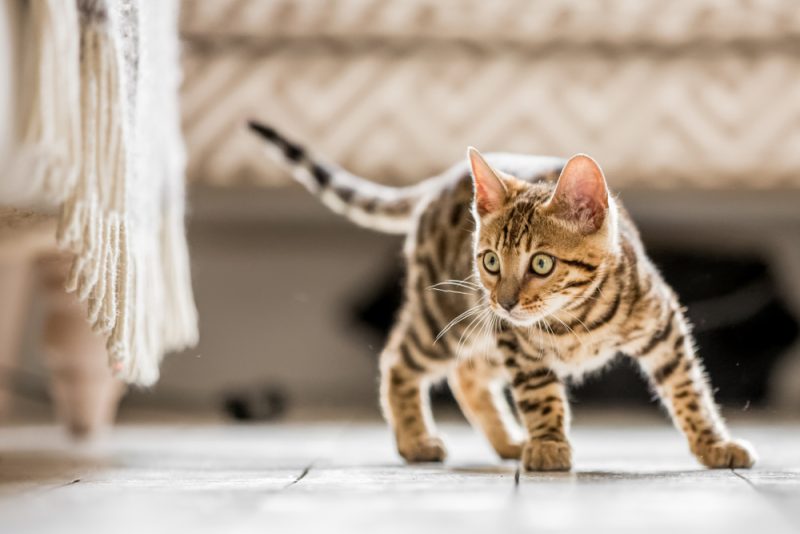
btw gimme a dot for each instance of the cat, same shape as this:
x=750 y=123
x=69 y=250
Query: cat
x=522 y=271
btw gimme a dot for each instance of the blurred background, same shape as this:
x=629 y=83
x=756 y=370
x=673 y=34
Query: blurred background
x=692 y=108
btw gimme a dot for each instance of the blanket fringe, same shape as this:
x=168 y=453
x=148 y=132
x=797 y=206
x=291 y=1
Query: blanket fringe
x=91 y=225
x=138 y=287
x=83 y=146
x=180 y=332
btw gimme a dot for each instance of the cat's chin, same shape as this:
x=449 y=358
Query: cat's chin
x=518 y=319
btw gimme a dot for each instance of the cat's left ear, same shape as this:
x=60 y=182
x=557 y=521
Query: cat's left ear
x=490 y=191
x=581 y=195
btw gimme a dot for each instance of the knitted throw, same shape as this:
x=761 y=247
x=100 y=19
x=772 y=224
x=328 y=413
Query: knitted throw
x=103 y=140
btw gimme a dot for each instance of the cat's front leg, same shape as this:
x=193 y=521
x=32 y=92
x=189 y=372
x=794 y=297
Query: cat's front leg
x=541 y=400
x=476 y=383
x=677 y=375
x=406 y=374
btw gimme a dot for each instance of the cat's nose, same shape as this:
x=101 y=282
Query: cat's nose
x=507 y=293
x=507 y=303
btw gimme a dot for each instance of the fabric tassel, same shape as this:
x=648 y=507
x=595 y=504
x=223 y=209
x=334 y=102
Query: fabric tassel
x=103 y=140
x=92 y=223
x=180 y=331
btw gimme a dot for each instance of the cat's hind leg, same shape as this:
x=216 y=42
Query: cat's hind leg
x=477 y=384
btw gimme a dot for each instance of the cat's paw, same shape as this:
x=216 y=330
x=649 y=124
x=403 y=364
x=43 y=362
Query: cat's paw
x=546 y=455
x=509 y=451
x=734 y=453
x=426 y=449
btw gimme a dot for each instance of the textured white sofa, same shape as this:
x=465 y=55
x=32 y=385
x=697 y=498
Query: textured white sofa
x=663 y=93
x=692 y=107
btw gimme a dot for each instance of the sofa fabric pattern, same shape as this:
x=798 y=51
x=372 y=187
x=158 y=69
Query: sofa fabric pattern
x=661 y=93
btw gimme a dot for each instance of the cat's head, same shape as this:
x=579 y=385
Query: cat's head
x=541 y=246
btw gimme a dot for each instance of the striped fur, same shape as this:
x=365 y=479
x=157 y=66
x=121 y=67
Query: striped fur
x=387 y=209
x=516 y=328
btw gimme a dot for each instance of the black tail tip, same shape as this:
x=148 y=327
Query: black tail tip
x=263 y=130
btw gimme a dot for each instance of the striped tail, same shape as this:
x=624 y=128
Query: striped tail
x=378 y=207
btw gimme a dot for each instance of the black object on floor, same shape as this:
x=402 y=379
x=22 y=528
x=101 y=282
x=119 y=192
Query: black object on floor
x=256 y=404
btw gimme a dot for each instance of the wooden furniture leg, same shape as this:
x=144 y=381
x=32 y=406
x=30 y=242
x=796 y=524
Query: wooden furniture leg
x=14 y=293
x=84 y=392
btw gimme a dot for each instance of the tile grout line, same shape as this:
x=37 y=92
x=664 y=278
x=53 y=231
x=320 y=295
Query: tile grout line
x=747 y=480
x=56 y=487
x=299 y=477
x=308 y=467
x=763 y=496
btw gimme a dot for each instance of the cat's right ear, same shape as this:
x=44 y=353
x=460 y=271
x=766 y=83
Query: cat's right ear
x=581 y=195
x=490 y=191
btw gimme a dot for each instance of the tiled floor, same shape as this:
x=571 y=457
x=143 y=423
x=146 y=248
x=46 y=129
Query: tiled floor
x=345 y=477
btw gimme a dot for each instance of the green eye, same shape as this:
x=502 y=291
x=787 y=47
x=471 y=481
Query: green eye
x=491 y=262
x=542 y=264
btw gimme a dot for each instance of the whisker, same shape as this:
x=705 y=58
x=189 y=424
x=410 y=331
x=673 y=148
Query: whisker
x=472 y=291
x=479 y=326
x=577 y=319
x=456 y=283
x=539 y=327
x=480 y=331
x=471 y=311
x=466 y=331
x=487 y=334
x=451 y=291
x=549 y=329
x=572 y=315
x=570 y=330
x=496 y=321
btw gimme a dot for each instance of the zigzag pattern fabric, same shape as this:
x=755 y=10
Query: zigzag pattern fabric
x=664 y=94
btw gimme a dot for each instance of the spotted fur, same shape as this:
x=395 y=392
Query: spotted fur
x=517 y=328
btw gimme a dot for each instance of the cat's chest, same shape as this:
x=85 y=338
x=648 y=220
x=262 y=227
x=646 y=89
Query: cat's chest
x=573 y=355
x=577 y=357
x=578 y=360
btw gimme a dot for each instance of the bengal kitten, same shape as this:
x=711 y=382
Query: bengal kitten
x=522 y=270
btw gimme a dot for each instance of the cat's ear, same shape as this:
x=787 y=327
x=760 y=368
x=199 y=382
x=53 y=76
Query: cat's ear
x=581 y=195
x=490 y=191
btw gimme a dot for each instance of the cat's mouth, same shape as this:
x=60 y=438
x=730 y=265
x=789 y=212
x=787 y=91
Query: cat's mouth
x=516 y=316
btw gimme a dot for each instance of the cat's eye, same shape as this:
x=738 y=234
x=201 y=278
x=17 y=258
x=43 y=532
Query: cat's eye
x=542 y=264
x=491 y=262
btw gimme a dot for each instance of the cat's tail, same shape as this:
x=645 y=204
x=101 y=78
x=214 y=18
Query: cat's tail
x=375 y=206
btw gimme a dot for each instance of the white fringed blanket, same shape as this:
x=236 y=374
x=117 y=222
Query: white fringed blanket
x=101 y=139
